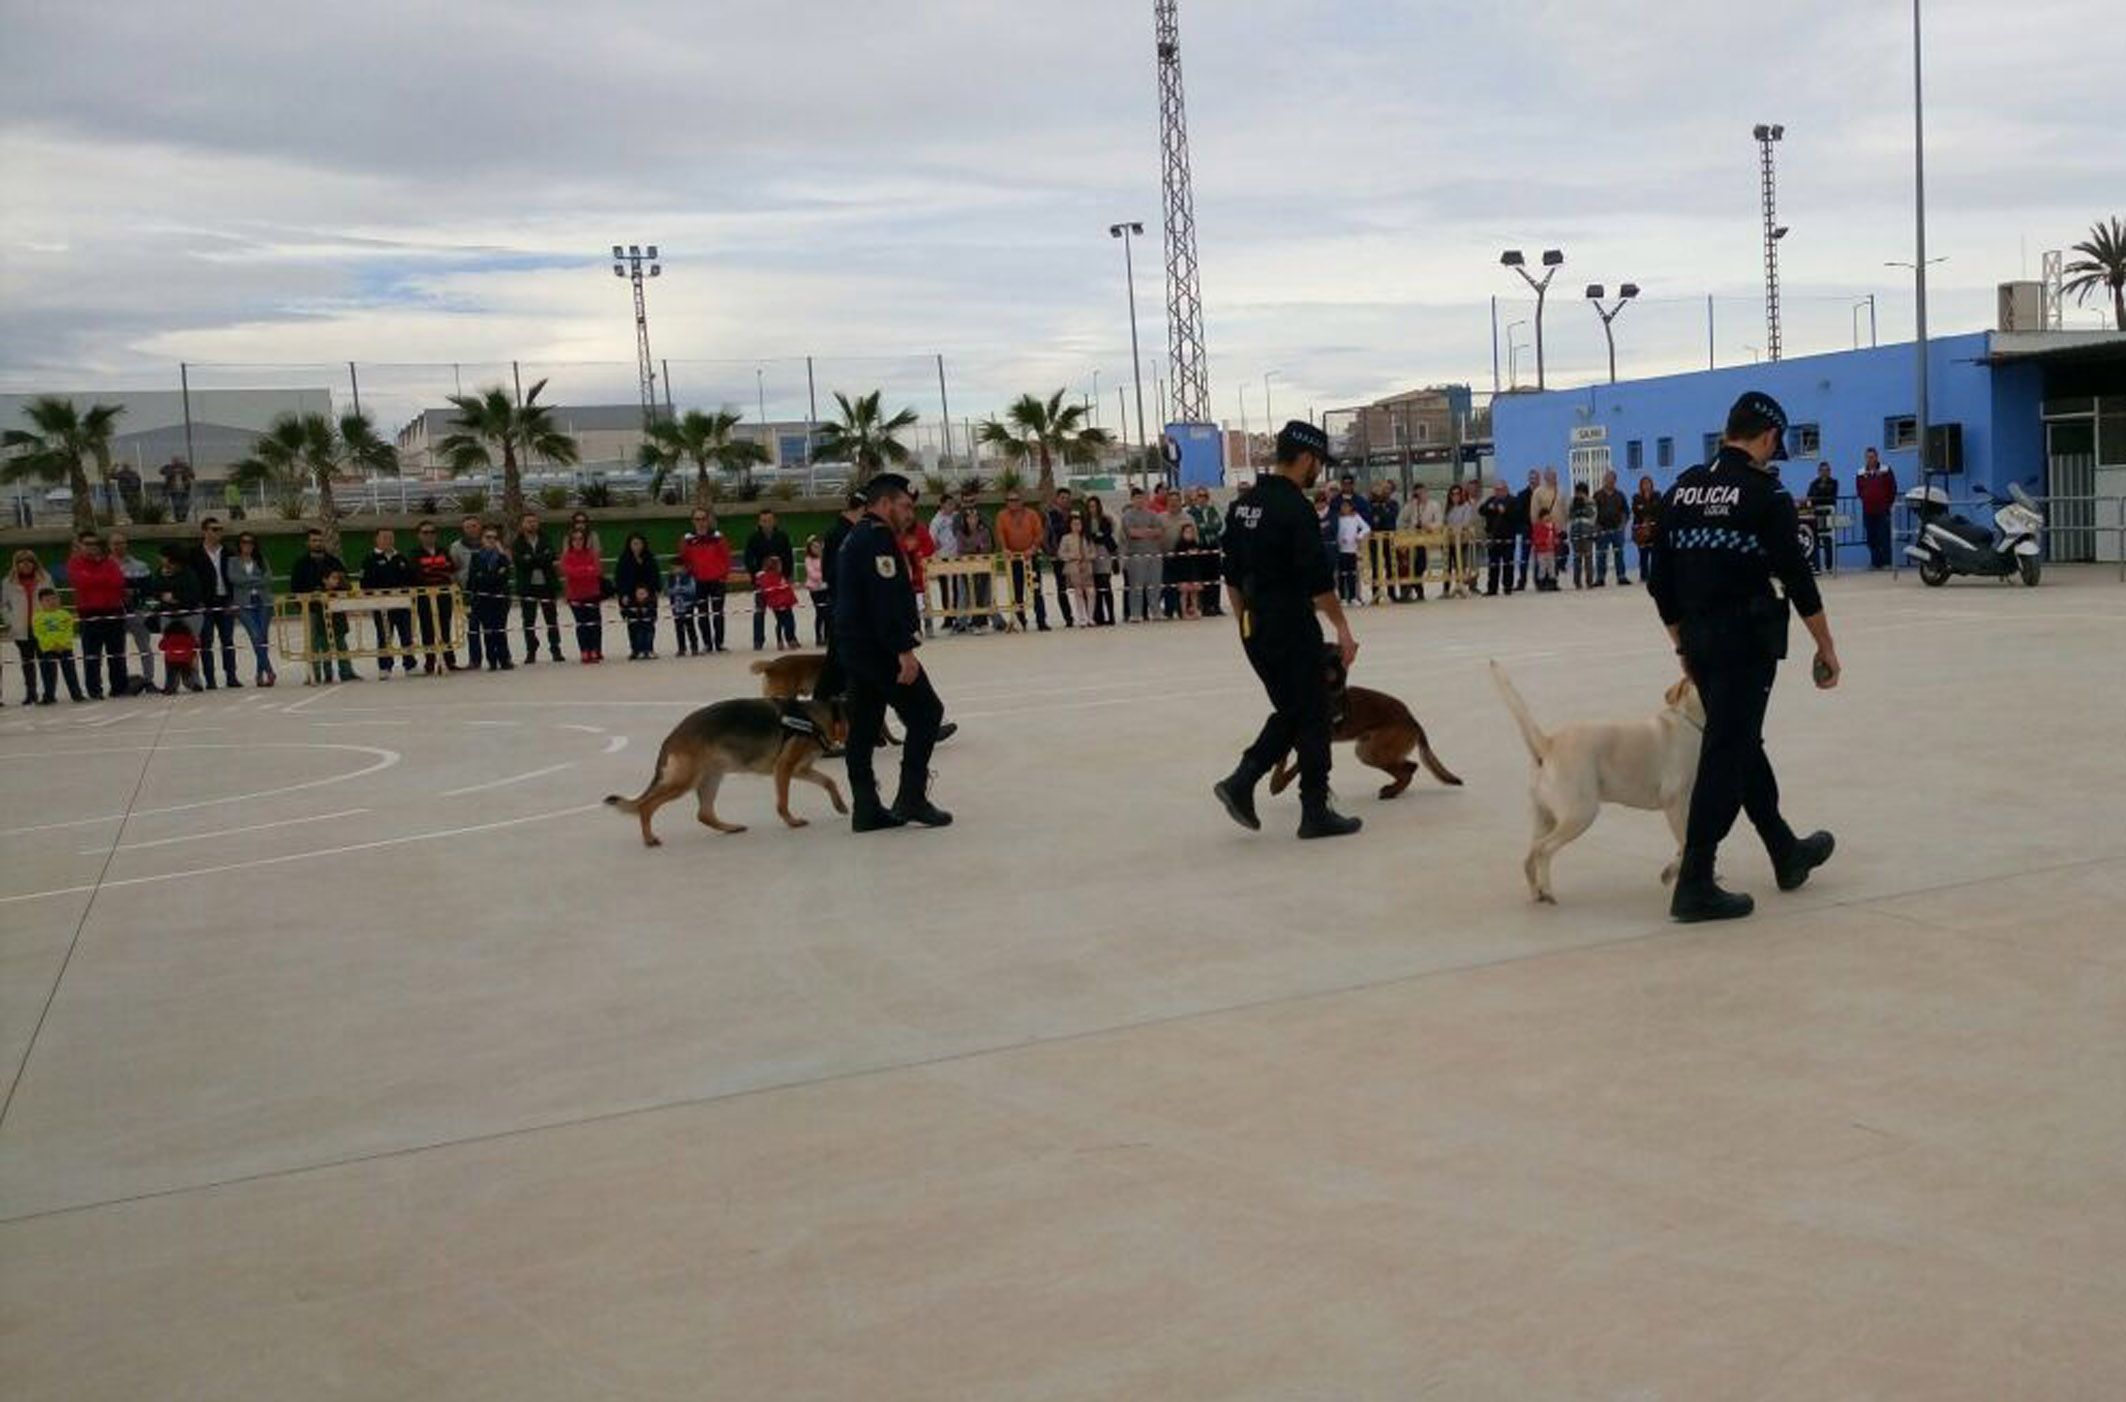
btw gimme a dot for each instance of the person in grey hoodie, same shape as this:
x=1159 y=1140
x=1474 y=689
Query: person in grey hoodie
x=139 y=576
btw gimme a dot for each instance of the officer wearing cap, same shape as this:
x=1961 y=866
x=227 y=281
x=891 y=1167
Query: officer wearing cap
x=876 y=633
x=1727 y=531
x=1277 y=578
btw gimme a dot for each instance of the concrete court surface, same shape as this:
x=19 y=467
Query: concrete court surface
x=362 y=1056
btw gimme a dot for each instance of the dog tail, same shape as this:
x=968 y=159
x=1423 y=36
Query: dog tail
x=634 y=805
x=625 y=805
x=763 y=667
x=1431 y=761
x=1531 y=734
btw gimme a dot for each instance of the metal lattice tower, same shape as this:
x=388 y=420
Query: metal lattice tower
x=1766 y=136
x=2055 y=292
x=628 y=263
x=1184 y=291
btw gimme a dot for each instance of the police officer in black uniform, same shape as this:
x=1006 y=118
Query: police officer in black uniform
x=1277 y=577
x=876 y=633
x=1727 y=531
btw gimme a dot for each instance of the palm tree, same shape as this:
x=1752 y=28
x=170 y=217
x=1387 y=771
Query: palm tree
x=490 y=422
x=863 y=435
x=2105 y=267
x=1045 y=433
x=59 y=442
x=703 y=440
x=304 y=450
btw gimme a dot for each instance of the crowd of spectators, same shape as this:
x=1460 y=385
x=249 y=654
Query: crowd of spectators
x=139 y=625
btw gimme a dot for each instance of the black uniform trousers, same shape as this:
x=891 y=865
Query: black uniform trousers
x=1288 y=659
x=1734 y=679
x=218 y=620
x=530 y=608
x=871 y=690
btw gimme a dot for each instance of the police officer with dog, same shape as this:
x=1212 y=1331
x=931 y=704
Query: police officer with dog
x=877 y=630
x=1728 y=531
x=1278 y=578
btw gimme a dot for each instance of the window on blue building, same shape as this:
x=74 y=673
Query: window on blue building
x=1664 y=452
x=1709 y=445
x=1635 y=455
x=1806 y=440
x=1899 y=431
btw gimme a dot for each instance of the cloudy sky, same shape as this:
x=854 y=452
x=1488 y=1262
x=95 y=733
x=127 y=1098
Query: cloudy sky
x=274 y=189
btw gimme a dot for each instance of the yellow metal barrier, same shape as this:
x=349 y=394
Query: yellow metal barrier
x=966 y=587
x=1398 y=561
x=315 y=629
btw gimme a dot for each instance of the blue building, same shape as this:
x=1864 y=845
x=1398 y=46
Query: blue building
x=2044 y=410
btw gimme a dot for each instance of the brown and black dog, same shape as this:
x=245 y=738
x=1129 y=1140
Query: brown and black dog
x=745 y=736
x=797 y=674
x=1382 y=728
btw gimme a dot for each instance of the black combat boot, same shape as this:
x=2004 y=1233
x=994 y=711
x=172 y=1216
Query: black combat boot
x=1802 y=858
x=915 y=807
x=1237 y=792
x=1319 y=818
x=867 y=814
x=1698 y=896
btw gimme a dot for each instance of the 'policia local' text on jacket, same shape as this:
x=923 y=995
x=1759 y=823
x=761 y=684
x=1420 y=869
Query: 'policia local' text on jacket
x=1726 y=531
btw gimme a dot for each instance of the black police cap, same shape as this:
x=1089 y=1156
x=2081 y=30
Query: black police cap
x=1298 y=436
x=1763 y=406
x=887 y=484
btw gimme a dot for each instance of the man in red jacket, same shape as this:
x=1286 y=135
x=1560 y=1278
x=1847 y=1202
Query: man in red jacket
x=99 y=598
x=706 y=555
x=1877 y=489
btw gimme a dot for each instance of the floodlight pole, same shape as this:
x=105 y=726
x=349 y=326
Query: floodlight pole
x=1553 y=259
x=1126 y=231
x=628 y=263
x=1609 y=314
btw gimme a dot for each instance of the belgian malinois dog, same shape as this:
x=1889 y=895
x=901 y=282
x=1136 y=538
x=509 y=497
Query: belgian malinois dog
x=1382 y=728
x=748 y=735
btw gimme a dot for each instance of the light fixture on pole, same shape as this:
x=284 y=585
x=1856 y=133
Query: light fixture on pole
x=1868 y=302
x=1609 y=314
x=1513 y=355
x=1269 y=420
x=1767 y=135
x=628 y=263
x=1553 y=259
x=1125 y=232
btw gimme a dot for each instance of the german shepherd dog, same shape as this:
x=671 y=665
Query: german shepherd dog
x=748 y=735
x=797 y=674
x=1382 y=728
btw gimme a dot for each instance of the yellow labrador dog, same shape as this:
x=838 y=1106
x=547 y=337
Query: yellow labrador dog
x=1640 y=764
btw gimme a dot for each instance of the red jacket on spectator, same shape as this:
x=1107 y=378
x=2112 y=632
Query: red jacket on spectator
x=775 y=592
x=582 y=575
x=707 y=558
x=1877 y=490
x=917 y=547
x=98 y=585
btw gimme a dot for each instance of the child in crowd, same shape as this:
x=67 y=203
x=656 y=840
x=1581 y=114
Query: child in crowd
x=779 y=597
x=1543 y=542
x=53 y=627
x=180 y=657
x=1582 y=529
x=1351 y=533
x=816 y=586
x=683 y=594
x=25 y=582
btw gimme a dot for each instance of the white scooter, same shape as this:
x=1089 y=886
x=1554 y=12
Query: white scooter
x=1952 y=545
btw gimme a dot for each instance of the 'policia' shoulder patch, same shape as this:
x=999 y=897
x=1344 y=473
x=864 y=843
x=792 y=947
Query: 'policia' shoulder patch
x=888 y=566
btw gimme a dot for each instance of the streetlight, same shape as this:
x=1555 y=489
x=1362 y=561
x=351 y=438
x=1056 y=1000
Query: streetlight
x=1129 y=273
x=1594 y=296
x=629 y=263
x=1552 y=259
x=1247 y=444
x=1094 y=402
x=1268 y=418
x=1767 y=134
x=1868 y=302
x=1513 y=355
x=1756 y=354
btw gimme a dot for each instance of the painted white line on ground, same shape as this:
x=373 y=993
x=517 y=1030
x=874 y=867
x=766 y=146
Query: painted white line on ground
x=303 y=856
x=494 y=722
x=385 y=759
x=225 y=832
x=318 y=695
x=512 y=779
x=586 y=729
x=616 y=744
